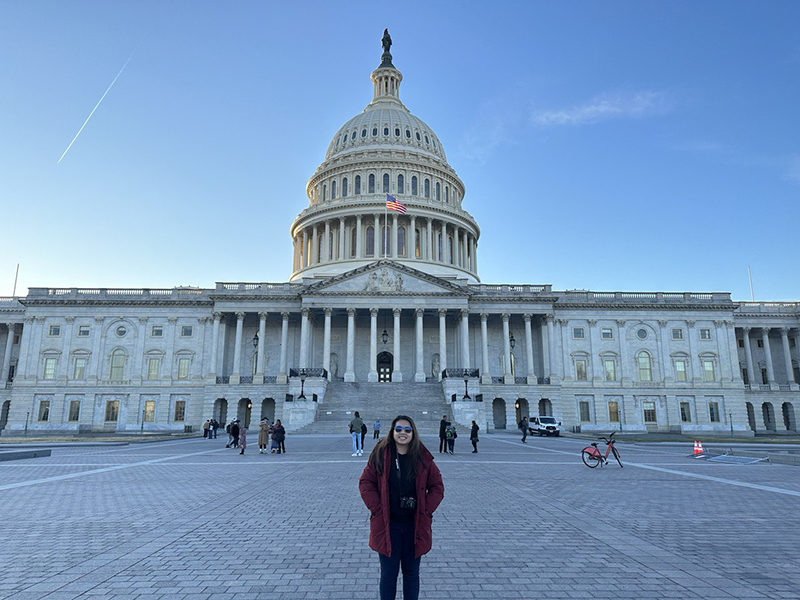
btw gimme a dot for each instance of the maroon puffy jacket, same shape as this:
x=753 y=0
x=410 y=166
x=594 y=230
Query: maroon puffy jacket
x=374 y=490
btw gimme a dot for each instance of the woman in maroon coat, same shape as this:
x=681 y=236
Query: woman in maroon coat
x=401 y=486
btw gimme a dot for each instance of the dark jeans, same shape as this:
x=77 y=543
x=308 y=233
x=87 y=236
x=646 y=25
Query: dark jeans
x=402 y=536
x=524 y=431
x=474 y=444
x=281 y=446
x=451 y=444
x=376 y=434
x=442 y=444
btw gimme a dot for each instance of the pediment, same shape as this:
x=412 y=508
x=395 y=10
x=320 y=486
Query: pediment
x=385 y=278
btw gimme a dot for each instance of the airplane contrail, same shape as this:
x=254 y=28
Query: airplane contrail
x=98 y=104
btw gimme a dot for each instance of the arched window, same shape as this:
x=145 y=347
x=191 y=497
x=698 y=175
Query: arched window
x=441 y=254
x=427 y=188
x=353 y=242
x=370 y=241
x=371 y=189
x=401 y=184
x=645 y=366
x=438 y=192
x=330 y=245
x=414 y=185
x=333 y=190
x=418 y=138
x=385 y=131
x=363 y=133
x=358 y=185
x=401 y=241
x=397 y=131
x=446 y=194
x=354 y=135
x=418 y=244
x=319 y=248
x=117 y=364
x=325 y=193
x=386 y=241
x=408 y=134
x=450 y=249
x=385 y=183
x=344 y=187
x=374 y=131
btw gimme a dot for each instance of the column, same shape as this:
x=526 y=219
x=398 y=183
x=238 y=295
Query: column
x=508 y=377
x=412 y=249
x=326 y=242
x=463 y=254
x=215 y=345
x=787 y=357
x=378 y=253
x=397 y=374
x=665 y=361
x=237 y=348
x=436 y=235
x=768 y=356
x=694 y=366
x=486 y=376
x=442 y=343
x=465 y=362
x=139 y=352
x=97 y=332
x=474 y=255
x=304 y=250
x=359 y=238
x=349 y=374
x=394 y=238
x=342 y=249
x=532 y=380
x=748 y=354
x=67 y=347
x=7 y=356
x=373 y=345
x=314 y=246
x=282 y=378
x=304 y=312
x=419 y=376
x=623 y=358
x=547 y=346
x=429 y=241
x=723 y=351
x=262 y=340
x=326 y=342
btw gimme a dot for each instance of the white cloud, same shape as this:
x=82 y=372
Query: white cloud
x=605 y=107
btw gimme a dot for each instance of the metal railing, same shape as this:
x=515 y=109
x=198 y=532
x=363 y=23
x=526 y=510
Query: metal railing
x=308 y=372
x=460 y=373
x=223 y=379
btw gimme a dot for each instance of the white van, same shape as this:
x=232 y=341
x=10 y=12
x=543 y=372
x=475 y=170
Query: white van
x=544 y=426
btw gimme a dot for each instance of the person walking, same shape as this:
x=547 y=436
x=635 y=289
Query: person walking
x=523 y=427
x=280 y=436
x=363 y=435
x=473 y=437
x=402 y=487
x=206 y=427
x=214 y=427
x=242 y=439
x=273 y=441
x=230 y=437
x=376 y=429
x=263 y=435
x=442 y=438
x=450 y=435
x=355 y=432
x=235 y=434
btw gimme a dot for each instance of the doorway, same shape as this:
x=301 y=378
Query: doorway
x=545 y=408
x=499 y=413
x=786 y=408
x=769 y=416
x=522 y=409
x=268 y=409
x=751 y=416
x=385 y=367
x=4 y=414
x=245 y=410
x=221 y=411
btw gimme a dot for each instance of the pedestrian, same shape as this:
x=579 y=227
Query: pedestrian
x=473 y=437
x=442 y=439
x=263 y=435
x=235 y=434
x=230 y=437
x=450 y=435
x=280 y=436
x=402 y=487
x=376 y=429
x=206 y=427
x=242 y=439
x=363 y=435
x=212 y=430
x=523 y=427
x=273 y=441
x=355 y=432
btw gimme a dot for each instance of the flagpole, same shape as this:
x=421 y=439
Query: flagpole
x=385 y=227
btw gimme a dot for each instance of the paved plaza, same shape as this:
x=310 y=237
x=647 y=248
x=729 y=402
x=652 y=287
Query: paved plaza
x=191 y=519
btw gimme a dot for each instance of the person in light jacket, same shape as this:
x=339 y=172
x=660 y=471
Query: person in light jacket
x=402 y=487
x=263 y=435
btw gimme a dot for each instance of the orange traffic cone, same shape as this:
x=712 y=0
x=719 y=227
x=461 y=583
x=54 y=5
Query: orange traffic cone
x=698 y=448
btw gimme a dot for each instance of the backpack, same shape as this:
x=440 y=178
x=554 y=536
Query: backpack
x=363 y=428
x=450 y=433
x=228 y=428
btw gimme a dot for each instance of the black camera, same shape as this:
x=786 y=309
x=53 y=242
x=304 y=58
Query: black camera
x=409 y=503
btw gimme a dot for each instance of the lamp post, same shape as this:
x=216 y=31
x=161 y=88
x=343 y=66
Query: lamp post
x=302 y=395
x=385 y=336
x=511 y=341
x=141 y=430
x=730 y=420
x=27 y=416
x=466 y=390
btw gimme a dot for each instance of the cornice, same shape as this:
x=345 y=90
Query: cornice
x=639 y=306
x=116 y=302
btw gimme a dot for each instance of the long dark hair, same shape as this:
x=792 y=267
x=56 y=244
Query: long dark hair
x=376 y=456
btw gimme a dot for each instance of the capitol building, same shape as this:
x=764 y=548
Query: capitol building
x=384 y=312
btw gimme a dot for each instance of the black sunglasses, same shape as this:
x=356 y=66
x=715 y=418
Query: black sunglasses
x=400 y=428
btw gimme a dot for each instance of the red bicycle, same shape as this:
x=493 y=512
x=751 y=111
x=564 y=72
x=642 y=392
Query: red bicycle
x=592 y=457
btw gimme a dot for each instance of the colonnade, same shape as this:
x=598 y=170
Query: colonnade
x=764 y=338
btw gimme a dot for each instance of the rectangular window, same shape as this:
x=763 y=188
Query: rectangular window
x=708 y=370
x=611 y=369
x=740 y=342
x=186 y=331
x=607 y=333
x=180 y=410
x=677 y=334
x=74 y=410
x=713 y=411
x=112 y=410
x=157 y=331
x=764 y=378
x=153 y=368
x=645 y=370
x=49 y=368
x=44 y=410
x=83 y=330
x=680 y=370
x=580 y=370
x=796 y=374
x=686 y=412
x=117 y=365
x=183 y=368
x=55 y=330
x=705 y=334
x=585 y=414
x=792 y=342
x=149 y=411
x=760 y=343
x=79 y=372
x=613 y=412
x=16 y=339
x=578 y=333
x=649 y=412
x=745 y=377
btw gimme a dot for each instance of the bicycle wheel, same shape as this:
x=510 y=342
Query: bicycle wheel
x=590 y=459
x=616 y=455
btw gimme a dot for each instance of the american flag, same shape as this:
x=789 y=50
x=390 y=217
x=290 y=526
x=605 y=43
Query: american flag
x=393 y=203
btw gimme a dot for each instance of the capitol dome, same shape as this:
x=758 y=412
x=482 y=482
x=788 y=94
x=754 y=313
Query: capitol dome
x=385 y=151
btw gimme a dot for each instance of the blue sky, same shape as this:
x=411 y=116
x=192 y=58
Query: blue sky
x=635 y=146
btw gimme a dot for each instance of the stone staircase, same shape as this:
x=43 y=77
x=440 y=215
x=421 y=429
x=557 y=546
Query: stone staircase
x=423 y=402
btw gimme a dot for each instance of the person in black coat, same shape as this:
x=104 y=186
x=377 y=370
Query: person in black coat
x=442 y=438
x=235 y=434
x=473 y=437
